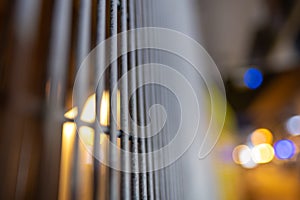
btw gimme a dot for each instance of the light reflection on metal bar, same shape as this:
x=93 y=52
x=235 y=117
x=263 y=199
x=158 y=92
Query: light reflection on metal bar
x=58 y=59
x=82 y=171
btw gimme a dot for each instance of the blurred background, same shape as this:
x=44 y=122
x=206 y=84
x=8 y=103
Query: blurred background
x=255 y=44
x=256 y=47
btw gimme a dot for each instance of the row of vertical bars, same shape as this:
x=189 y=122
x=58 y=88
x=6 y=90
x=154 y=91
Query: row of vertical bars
x=112 y=16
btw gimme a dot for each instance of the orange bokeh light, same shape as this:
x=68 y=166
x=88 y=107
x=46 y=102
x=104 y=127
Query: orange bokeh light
x=261 y=136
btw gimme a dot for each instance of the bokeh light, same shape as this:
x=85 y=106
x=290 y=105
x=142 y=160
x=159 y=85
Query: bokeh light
x=263 y=153
x=241 y=154
x=253 y=78
x=293 y=125
x=250 y=164
x=284 y=149
x=260 y=136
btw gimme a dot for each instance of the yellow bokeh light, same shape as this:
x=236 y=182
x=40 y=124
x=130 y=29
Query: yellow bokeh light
x=261 y=136
x=263 y=153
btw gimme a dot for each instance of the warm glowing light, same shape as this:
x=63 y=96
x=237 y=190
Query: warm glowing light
x=260 y=136
x=103 y=138
x=69 y=129
x=253 y=78
x=85 y=163
x=104 y=109
x=262 y=153
x=250 y=164
x=293 y=125
x=119 y=142
x=118 y=109
x=241 y=154
x=88 y=112
x=87 y=135
x=245 y=156
x=284 y=149
x=67 y=149
x=71 y=114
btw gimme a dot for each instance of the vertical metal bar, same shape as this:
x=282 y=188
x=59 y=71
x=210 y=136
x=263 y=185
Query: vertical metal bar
x=113 y=181
x=155 y=142
x=59 y=51
x=82 y=50
x=58 y=61
x=134 y=141
x=125 y=176
x=153 y=97
x=16 y=136
x=170 y=176
x=84 y=35
x=161 y=172
x=140 y=108
x=163 y=190
x=165 y=138
x=99 y=67
x=146 y=10
x=161 y=142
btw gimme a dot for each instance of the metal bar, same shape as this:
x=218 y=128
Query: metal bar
x=125 y=176
x=99 y=67
x=16 y=136
x=147 y=21
x=113 y=179
x=58 y=62
x=81 y=94
x=153 y=97
x=134 y=142
x=140 y=108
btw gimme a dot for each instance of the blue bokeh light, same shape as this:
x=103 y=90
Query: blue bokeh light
x=284 y=149
x=253 y=78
